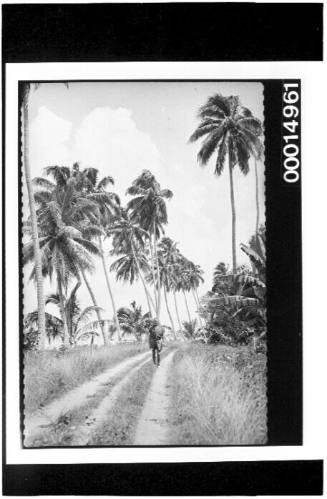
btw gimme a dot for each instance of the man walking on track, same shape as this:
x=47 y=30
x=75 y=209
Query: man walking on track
x=155 y=341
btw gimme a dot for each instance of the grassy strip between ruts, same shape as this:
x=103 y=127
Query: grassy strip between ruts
x=218 y=396
x=120 y=426
x=50 y=374
x=65 y=431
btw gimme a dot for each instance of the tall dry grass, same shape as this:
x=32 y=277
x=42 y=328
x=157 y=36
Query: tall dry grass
x=49 y=374
x=219 y=396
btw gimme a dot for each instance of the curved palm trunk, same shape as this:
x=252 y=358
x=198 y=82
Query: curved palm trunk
x=177 y=313
x=35 y=236
x=197 y=297
x=256 y=198
x=104 y=264
x=147 y=293
x=198 y=306
x=69 y=317
x=170 y=317
x=148 y=297
x=188 y=311
x=63 y=312
x=153 y=276
x=158 y=276
x=232 y=200
x=105 y=341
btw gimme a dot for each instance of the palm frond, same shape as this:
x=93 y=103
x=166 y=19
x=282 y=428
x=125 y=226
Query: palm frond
x=217 y=105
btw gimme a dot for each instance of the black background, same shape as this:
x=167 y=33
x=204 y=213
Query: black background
x=162 y=32
x=193 y=32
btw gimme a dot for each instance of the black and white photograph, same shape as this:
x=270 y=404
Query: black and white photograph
x=144 y=263
x=163 y=199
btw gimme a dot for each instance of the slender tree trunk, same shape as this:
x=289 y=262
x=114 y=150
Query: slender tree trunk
x=232 y=200
x=69 y=317
x=103 y=259
x=99 y=316
x=256 y=197
x=188 y=311
x=197 y=304
x=35 y=235
x=158 y=275
x=197 y=297
x=63 y=312
x=177 y=314
x=153 y=275
x=148 y=296
x=170 y=317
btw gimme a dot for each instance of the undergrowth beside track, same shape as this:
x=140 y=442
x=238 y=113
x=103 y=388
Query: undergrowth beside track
x=219 y=396
x=49 y=374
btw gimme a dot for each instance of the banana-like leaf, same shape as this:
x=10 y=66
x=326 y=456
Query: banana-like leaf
x=230 y=300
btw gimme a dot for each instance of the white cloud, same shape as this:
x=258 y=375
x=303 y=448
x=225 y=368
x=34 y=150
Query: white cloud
x=109 y=140
x=49 y=136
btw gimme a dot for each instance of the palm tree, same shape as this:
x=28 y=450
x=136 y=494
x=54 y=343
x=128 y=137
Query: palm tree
x=170 y=260
x=128 y=239
x=31 y=332
x=148 y=209
x=79 y=193
x=182 y=282
x=194 y=278
x=233 y=132
x=108 y=207
x=74 y=316
x=34 y=231
x=257 y=157
x=132 y=320
x=165 y=270
x=64 y=251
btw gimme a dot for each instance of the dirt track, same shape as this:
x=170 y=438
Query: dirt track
x=74 y=398
x=153 y=424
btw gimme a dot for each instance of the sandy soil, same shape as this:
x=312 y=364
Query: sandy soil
x=99 y=414
x=153 y=425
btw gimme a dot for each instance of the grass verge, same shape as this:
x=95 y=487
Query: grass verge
x=49 y=374
x=219 y=396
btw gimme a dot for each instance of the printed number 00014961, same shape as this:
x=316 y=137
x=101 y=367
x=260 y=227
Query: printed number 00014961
x=291 y=148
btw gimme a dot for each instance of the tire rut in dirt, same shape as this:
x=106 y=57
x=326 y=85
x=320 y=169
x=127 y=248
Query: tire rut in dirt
x=49 y=415
x=98 y=416
x=153 y=426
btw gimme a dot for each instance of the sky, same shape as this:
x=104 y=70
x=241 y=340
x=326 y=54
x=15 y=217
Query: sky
x=122 y=128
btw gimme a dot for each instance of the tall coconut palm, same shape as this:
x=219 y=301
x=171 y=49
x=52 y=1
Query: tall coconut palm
x=148 y=208
x=128 y=239
x=34 y=232
x=64 y=252
x=170 y=261
x=233 y=133
x=109 y=207
x=165 y=270
x=86 y=206
x=257 y=158
x=65 y=189
x=129 y=267
x=195 y=277
x=182 y=282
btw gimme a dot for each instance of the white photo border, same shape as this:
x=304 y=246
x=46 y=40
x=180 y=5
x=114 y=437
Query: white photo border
x=313 y=82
